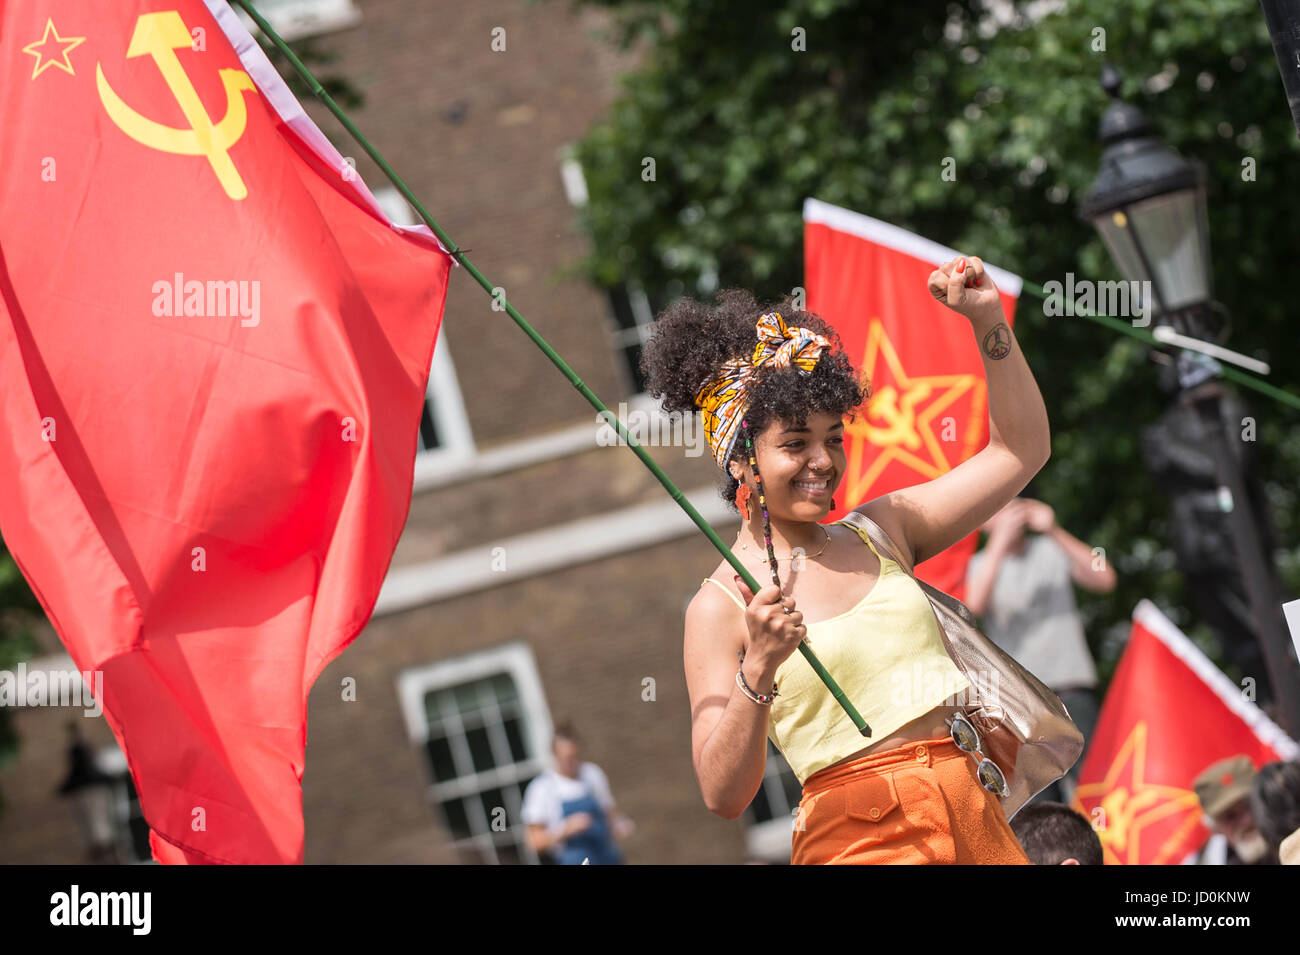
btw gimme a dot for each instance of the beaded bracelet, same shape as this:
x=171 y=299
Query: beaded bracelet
x=745 y=687
x=756 y=697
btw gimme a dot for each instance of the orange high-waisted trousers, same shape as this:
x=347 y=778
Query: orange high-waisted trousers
x=919 y=804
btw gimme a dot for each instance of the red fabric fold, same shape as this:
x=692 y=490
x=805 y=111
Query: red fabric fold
x=206 y=503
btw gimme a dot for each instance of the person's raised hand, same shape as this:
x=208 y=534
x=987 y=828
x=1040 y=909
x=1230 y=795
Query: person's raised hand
x=965 y=286
x=1008 y=525
x=1039 y=517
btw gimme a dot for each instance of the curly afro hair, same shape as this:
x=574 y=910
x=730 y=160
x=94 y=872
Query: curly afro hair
x=692 y=340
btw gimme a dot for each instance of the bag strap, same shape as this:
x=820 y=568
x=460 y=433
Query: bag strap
x=882 y=540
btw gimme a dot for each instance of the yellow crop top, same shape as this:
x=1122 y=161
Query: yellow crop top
x=886 y=654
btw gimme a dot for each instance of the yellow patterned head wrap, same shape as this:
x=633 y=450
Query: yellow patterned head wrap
x=723 y=400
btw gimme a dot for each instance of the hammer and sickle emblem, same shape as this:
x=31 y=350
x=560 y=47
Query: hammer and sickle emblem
x=899 y=415
x=160 y=35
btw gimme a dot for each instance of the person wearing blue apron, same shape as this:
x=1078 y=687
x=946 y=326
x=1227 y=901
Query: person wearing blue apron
x=594 y=844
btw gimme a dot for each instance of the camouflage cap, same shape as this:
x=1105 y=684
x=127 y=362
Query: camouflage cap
x=1224 y=783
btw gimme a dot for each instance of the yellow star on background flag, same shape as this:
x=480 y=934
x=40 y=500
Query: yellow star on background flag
x=1130 y=804
x=900 y=416
x=64 y=45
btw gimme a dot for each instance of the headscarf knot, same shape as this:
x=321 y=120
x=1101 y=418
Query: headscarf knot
x=724 y=399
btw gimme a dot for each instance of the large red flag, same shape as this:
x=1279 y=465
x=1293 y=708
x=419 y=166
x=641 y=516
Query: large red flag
x=929 y=406
x=213 y=355
x=1169 y=713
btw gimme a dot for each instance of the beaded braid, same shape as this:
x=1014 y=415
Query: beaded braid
x=771 y=560
x=762 y=502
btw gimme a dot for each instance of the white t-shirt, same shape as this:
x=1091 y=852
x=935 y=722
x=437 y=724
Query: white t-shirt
x=546 y=793
x=1032 y=614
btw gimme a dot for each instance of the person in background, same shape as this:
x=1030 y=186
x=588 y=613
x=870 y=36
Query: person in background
x=1224 y=791
x=1275 y=803
x=570 y=812
x=1019 y=586
x=1054 y=834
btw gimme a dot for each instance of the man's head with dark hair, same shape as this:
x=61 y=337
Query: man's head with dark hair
x=564 y=746
x=1052 y=833
x=1275 y=801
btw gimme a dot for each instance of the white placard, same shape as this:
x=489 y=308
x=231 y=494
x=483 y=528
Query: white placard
x=1292 y=611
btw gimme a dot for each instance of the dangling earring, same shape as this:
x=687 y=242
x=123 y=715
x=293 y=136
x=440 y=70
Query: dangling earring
x=742 y=500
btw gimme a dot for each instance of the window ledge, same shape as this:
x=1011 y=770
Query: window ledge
x=437 y=469
x=295 y=19
x=541 y=552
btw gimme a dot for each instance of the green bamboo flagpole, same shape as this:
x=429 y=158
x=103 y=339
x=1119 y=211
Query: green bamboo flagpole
x=550 y=353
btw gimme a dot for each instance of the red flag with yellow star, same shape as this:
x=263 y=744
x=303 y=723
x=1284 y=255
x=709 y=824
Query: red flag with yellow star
x=214 y=350
x=929 y=406
x=1168 y=714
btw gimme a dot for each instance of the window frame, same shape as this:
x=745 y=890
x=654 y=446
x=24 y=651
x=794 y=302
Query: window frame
x=638 y=300
x=516 y=659
x=443 y=397
x=443 y=394
x=292 y=19
x=622 y=340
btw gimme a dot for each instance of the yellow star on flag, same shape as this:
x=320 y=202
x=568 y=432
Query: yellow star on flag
x=899 y=418
x=1129 y=804
x=63 y=46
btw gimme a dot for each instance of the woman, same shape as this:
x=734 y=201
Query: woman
x=773 y=395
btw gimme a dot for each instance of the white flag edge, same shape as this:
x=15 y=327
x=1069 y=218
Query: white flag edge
x=282 y=100
x=899 y=239
x=1163 y=629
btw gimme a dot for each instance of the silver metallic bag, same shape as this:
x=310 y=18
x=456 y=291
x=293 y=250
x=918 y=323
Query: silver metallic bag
x=1027 y=730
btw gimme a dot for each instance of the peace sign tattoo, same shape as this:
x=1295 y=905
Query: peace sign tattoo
x=997 y=343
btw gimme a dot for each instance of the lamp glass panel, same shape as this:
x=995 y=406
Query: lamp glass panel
x=1115 y=232
x=1169 y=229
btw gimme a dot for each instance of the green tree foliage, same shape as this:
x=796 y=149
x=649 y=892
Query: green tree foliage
x=17 y=606
x=743 y=126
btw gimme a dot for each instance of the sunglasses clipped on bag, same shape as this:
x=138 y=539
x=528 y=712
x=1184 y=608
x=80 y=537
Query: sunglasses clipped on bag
x=968 y=740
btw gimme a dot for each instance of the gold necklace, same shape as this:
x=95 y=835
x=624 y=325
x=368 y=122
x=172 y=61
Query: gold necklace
x=744 y=546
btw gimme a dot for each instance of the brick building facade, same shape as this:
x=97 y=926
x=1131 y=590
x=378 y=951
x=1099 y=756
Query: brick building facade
x=543 y=574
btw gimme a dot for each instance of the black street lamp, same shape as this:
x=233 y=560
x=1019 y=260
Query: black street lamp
x=1283 y=19
x=1148 y=204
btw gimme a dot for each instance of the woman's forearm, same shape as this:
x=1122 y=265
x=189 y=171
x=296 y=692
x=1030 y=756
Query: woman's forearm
x=542 y=839
x=1017 y=415
x=732 y=761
